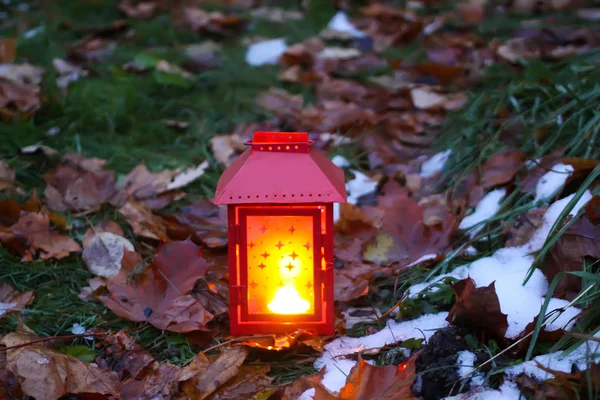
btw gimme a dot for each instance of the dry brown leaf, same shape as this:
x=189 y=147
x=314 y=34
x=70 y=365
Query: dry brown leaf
x=8 y=50
x=7 y=179
x=79 y=184
x=20 y=95
x=213 y=22
x=502 y=168
x=144 y=223
x=47 y=375
x=139 y=9
x=522 y=230
x=104 y=252
x=227 y=147
x=160 y=295
x=12 y=301
x=367 y=382
x=279 y=102
x=156 y=190
x=104 y=226
x=302 y=384
x=32 y=237
x=211 y=376
x=580 y=240
x=478 y=308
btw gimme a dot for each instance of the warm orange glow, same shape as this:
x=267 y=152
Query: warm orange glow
x=280 y=253
x=287 y=300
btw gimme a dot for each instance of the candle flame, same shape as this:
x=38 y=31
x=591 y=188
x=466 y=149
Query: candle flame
x=287 y=300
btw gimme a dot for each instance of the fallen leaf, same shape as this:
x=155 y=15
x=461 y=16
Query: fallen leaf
x=20 y=94
x=580 y=240
x=7 y=179
x=40 y=148
x=366 y=382
x=502 y=168
x=124 y=356
x=11 y=301
x=276 y=14
x=8 y=50
x=79 y=184
x=139 y=9
x=104 y=226
x=156 y=190
x=212 y=22
x=477 y=308
x=425 y=99
x=522 y=230
x=103 y=253
x=227 y=147
x=250 y=382
x=32 y=238
x=160 y=295
x=563 y=385
x=47 y=375
x=68 y=72
x=279 y=101
x=211 y=376
x=144 y=223
x=405 y=239
x=302 y=384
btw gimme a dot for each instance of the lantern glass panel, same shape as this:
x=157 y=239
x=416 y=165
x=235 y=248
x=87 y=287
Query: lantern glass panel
x=281 y=264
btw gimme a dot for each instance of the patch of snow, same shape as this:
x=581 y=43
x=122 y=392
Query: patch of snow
x=78 y=329
x=340 y=161
x=458 y=273
x=508 y=391
x=33 y=32
x=368 y=314
x=588 y=352
x=507 y=268
x=552 y=181
x=487 y=208
x=435 y=164
x=337 y=368
x=341 y=23
x=465 y=362
x=422 y=258
x=266 y=52
x=471 y=251
x=564 y=320
x=308 y=395
x=359 y=186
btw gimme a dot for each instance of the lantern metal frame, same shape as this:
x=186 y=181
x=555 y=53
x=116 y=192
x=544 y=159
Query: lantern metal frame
x=291 y=179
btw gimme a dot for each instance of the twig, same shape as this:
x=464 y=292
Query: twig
x=241 y=338
x=49 y=338
x=67 y=337
x=388 y=312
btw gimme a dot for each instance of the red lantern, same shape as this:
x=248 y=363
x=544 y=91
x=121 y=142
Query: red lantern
x=280 y=196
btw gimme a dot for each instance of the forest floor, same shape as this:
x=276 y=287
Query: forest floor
x=469 y=137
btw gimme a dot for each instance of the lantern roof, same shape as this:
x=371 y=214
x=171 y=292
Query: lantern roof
x=281 y=167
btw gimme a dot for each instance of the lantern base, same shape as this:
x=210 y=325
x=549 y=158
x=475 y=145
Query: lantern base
x=266 y=328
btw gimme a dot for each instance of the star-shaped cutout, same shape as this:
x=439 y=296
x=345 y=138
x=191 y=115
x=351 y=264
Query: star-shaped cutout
x=290 y=267
x=265 y=255
x=264 y=229
x=308 y=285
x=280 y=284
x=292 y=229
x=262 y=266
x=251 y=244
x=307 y=245
x=279 y=245
x=253 y=284
x=293 y=255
